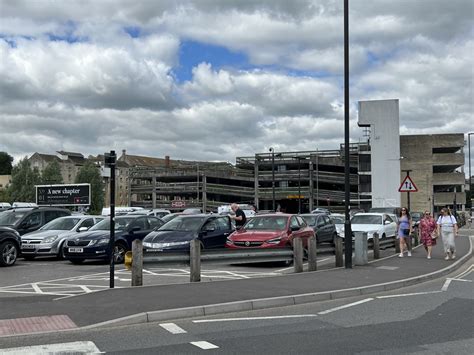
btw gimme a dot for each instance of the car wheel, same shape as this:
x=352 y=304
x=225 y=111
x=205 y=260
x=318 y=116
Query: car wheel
x=76 y=261
x=119 y=253
x=8 y=253
x=60 y=255
x=28 y=257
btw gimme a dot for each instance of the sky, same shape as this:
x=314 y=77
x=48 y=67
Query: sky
x=214 y=80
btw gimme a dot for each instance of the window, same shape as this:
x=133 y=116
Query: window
x=89 y=222
x=140 y=222
x=294 y=223
x=33 y=219
x=301 y=221
x=320 y=221
x=223 y=223
x=154 y=222
x=210 y=225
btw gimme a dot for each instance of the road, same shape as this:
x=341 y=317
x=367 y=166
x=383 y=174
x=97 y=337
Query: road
x=435 y=317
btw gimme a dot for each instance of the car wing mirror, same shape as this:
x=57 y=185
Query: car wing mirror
x=294 y=228
x=82 y=229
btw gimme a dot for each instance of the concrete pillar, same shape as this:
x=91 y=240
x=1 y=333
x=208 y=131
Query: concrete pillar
x=361 y=257
x=338 y=246
x=204 y=193
x=153 y=194
x=312 y=264
x=376 y=246
x=195 y=261
x=137 y=263
x=298 y=254
x=256 y=197
x=311 y=187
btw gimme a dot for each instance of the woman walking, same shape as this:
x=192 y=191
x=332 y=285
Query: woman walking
x=426 y=228
x=404 y=230
x=448 y=229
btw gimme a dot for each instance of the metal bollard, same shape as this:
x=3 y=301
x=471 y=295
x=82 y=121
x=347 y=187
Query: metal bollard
x=312 y=247
x=137 y=263
x=195 y=261
x=298 y=254
x=339 y=251
x=376 y=246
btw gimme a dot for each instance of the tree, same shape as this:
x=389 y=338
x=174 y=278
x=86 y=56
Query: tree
x=52 y=174
x=24 y=179
x=90 y=174
x=6 y=161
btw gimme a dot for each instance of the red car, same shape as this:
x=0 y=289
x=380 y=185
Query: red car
x=276 y=230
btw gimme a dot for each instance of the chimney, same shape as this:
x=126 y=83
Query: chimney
x=167 y=161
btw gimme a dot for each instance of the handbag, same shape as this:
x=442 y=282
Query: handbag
x=434 y=235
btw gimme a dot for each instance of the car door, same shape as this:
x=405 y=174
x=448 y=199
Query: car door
x=210 y=233
x=138 y=229
x=30 y=223
x=391 y=228
x=320 y=233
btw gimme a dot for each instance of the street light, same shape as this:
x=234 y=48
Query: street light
x=470 y=174
x=273 y=177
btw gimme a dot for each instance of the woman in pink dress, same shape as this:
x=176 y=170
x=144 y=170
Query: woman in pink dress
x=426 y=229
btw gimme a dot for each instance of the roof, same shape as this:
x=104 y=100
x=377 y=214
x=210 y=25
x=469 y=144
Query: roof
x=70 y=154
x=46 y=157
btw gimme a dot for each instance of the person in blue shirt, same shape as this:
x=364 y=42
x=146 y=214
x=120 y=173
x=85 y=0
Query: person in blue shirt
x=404 y=230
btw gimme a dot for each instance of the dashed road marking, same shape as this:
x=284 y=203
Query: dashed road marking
x=172 y=328
x=346 y=306
x=205 y=345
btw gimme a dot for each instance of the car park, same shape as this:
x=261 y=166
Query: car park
x=323 y=227
x=94 y=243
x=176 y=235
x=276 y=230
x=49 y=239
x=10 y=244
x=370 y=223
x=26 y=220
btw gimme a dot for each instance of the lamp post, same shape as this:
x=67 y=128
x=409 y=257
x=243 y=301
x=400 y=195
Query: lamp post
x=273 y=177
x=470 y=174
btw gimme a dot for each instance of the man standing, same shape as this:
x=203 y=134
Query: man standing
x=239 y=216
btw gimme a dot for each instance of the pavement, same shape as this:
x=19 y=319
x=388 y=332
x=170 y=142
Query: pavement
x=20 y=315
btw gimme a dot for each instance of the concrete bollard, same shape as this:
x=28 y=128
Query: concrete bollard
x=376 y=246
x=137 y=263
x=361 y=257
x=397 y=245
x=298 y=254
x=338 y=246
x=312 y=247
x=195 y=261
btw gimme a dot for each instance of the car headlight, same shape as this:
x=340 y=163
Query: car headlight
x=273 y=241
x=50 y=239
x=229 y=241
x=165 y=245
x=103 y=241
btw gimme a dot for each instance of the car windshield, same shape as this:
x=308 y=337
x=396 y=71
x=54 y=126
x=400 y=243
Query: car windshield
x=366 y=219
x=120 y=224
x=416 y=216
x=10 y=218
x=310 y=220
x=183 y=223
x=61 y=224
x=169 y=217
x=338 y=220
x=266 y=223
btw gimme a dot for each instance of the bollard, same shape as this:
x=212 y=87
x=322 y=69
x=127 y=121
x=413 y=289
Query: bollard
x=397 y=245
x=312 y=265
x=408 y=242
x=339 y=250
x=298 y=254
x=137 y=263
x=376 y=243
x=416 y=240
x=195 y=260
x=361 y=257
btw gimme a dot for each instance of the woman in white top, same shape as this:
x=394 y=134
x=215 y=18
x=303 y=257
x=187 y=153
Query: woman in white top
x=447 y=227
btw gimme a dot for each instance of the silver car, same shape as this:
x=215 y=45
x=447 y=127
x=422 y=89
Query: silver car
x=49 y=239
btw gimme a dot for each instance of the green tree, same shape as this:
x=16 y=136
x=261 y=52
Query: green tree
x=90 y=174
x=6 y=161
x=52 y=174
x=24 y=179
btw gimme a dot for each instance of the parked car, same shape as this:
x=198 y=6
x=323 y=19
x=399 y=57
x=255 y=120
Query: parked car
x=26 y=220
x=157 y=212
x=338 y=220
x=10 y=244
x=381 y=223
x=94 y=243
x=416 y=217
x=5 y=206
x=276 y=230
x=322 y=225
x=321 y=210
x=211 y=230
x=49 y=239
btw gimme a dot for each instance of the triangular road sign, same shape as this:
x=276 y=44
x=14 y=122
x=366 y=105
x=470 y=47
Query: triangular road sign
x=408 y=185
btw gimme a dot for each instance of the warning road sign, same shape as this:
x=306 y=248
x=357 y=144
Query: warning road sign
x=408 y=185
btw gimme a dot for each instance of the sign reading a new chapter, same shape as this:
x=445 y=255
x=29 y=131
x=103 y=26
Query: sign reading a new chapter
x=63 y=195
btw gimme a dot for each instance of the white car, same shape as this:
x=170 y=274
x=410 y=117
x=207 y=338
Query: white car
x=338 y=220
x=381 y=223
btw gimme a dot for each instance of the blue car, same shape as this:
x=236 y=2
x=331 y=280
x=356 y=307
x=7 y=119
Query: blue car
x=94 y=243
x=175 y=235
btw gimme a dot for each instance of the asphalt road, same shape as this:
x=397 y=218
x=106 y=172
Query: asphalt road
x=431 y=318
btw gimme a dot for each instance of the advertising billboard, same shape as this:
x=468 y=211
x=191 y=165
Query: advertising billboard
x=63 y=195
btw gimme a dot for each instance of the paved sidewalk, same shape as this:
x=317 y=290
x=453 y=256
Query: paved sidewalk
x=151 y=303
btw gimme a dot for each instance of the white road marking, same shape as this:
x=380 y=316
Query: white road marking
x=346 y=306
x=463 y=280
x=36 y=288
x=86 y=289
x=387 y=267
x=172 y=328
x=77 y=347
x=252 y=318
x=409 y=294
x=446 y=284
x=205 y=345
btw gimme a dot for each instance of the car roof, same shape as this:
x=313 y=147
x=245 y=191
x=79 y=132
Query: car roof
x=372 y=214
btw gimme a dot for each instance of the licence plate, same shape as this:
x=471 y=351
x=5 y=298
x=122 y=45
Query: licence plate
x=27 y=246
x=75 y=250
x=155 y=249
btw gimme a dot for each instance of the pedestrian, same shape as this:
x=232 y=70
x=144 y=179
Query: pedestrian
x=239 y=216
x=404 y=230
x=447 y=229
x=427 y=230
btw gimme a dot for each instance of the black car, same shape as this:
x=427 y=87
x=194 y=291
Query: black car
x=322 y=225
x=26 y=220
x=94 y=243
x=10 y=245
x=211 y=230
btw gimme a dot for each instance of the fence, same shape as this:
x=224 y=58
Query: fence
x=135 y=259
